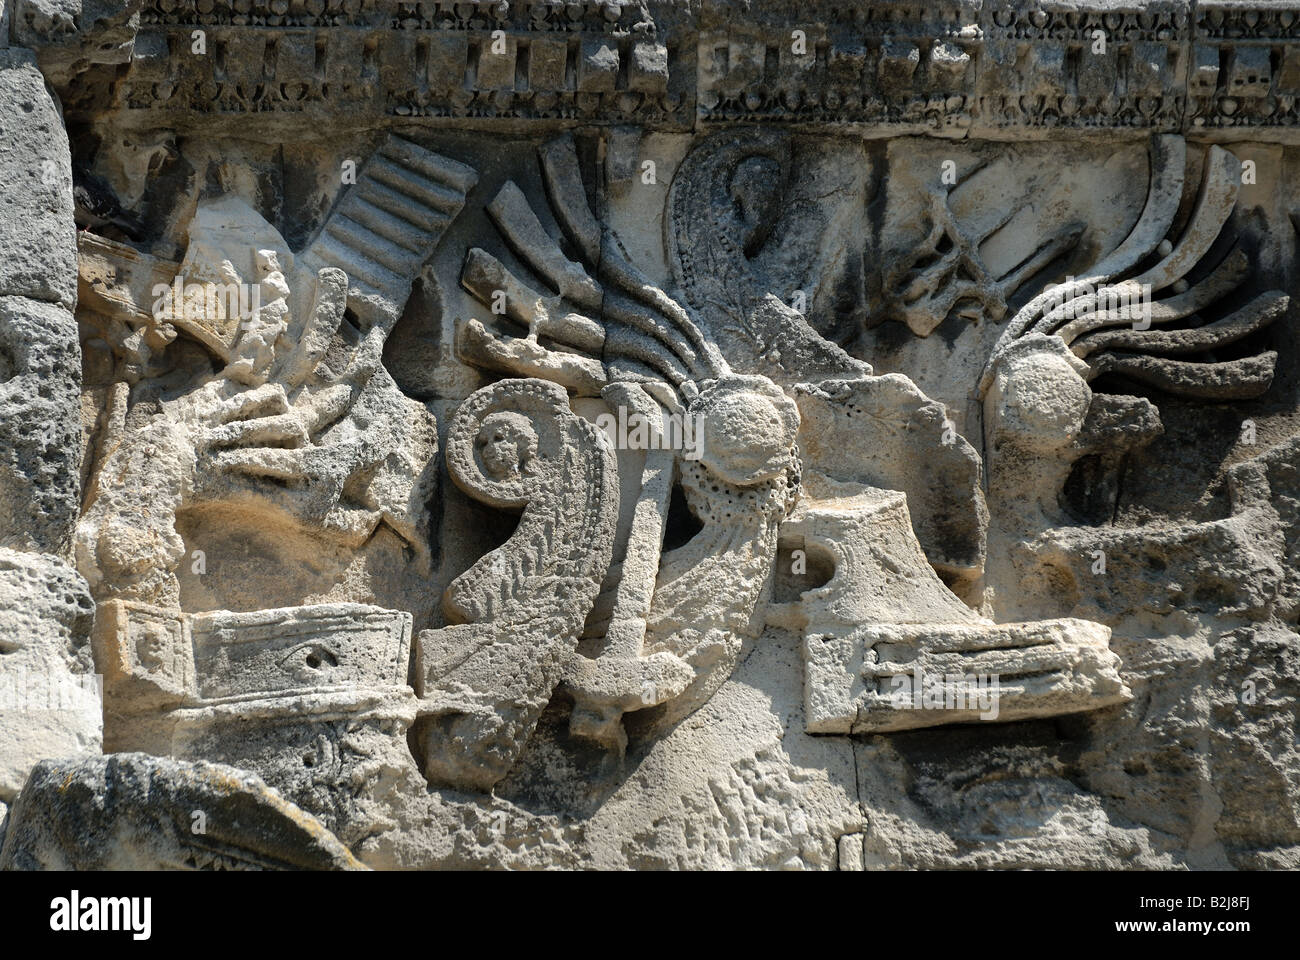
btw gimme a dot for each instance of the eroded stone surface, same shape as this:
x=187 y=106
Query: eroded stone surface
x=794 y=403
x=50 y=704
x=132 y=811
x=36 y=228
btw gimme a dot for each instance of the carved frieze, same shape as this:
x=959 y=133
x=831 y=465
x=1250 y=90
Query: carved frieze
x=891 y=68
x=617 y=433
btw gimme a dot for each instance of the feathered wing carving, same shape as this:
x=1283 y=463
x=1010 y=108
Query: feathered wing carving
x=516 y=613
x=654 y=358
x=1130 y=318
x=725 y=198
x=662 y=631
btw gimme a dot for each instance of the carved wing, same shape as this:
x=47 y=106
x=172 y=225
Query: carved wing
x=1089 y=313
x=485 y=680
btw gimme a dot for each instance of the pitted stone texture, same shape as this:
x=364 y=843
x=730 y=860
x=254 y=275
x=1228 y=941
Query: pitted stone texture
x=1039 y=400
x=37 y=233
x=346 y=764
x=40 y=429
x=136 y=812
x=979 y=798
x=303 y=427
x=781 y=243
x=518 y=613
x=72 y=35
x=45 y=21
x=313 y=699
x=49 y=704
x=883 y=432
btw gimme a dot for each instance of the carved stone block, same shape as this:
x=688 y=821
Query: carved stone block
x=310 y=698
x=50 y=700
x=597 y=67
x=808 y=375
x=903 y=677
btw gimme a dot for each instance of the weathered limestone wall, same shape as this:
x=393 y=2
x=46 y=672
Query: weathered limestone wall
x=45 y=604
x=650 y=435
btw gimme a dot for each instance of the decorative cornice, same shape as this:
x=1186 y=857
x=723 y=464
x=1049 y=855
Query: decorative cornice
x=1221 y=68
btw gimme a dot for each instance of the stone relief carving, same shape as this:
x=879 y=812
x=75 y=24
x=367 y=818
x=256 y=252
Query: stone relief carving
x=1083 y=312
x=301 y=426
x=131 y=811
x=518 y=612
x=747 y=478
x=659 y=636
x=793 y=404
x=945 y=273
